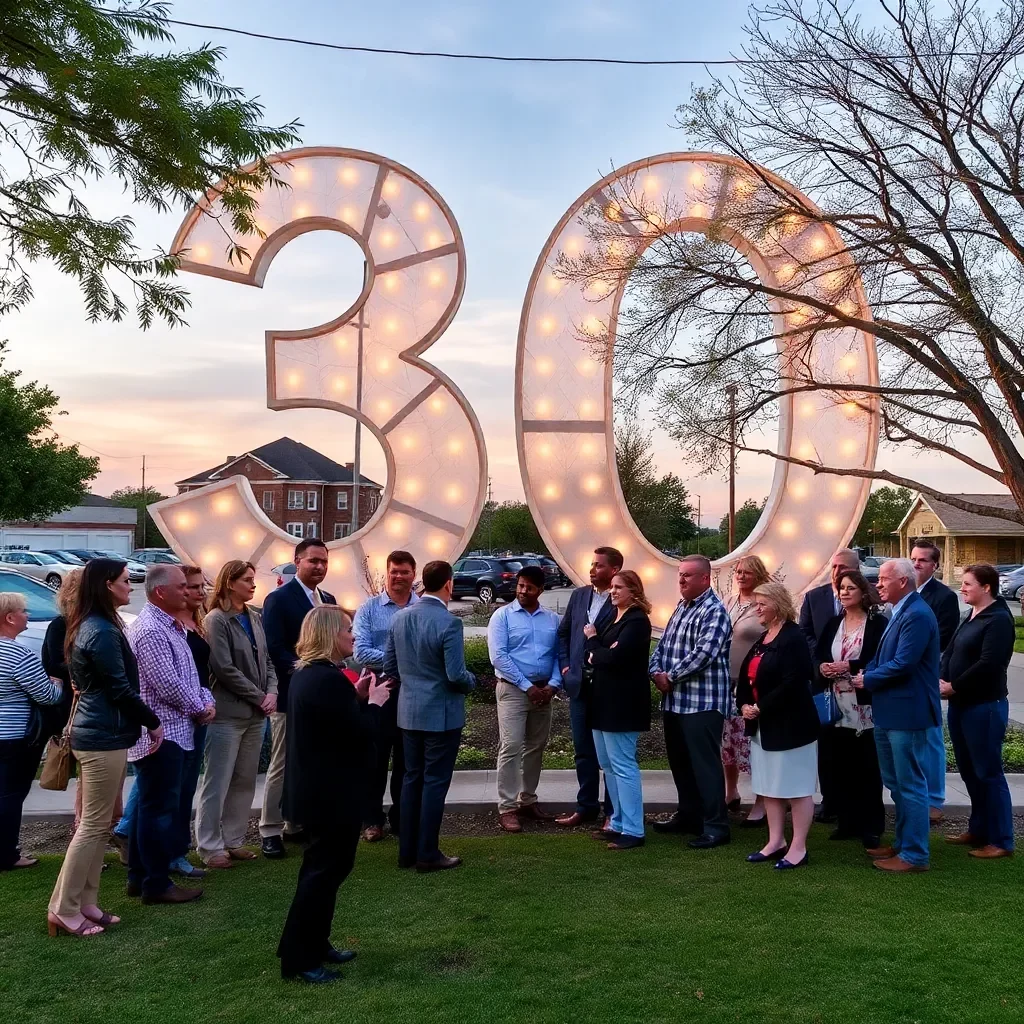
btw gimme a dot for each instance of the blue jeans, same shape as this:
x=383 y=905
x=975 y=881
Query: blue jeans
x=616 y=752
x=588 y=769
x=977 y=732
x=182 y=836
x=936 y=767
x=903 y=759
x=158 y=781
x=127 y=823
x=429 y=763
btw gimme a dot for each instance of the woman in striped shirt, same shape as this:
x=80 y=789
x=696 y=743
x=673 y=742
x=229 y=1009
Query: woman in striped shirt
x=23 y=682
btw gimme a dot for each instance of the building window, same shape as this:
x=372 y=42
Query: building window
x=268 y=501
x=311 y=500
x=340 y=530
x=373 y=502
x=296 y=499
x=311 y=529
x=342 y=500
x=295 y=529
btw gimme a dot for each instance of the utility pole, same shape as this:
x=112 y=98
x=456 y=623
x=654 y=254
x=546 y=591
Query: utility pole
x=360 y=326
x=698 y=524
x=731 y=392
x=490 y=517
x=145 y=514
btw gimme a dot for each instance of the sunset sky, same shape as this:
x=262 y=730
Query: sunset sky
x=509 y=147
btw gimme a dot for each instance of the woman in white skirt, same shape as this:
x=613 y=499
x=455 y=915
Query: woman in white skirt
x=773 y=694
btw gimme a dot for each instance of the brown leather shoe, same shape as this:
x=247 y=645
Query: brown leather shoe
x=443 y=864
x=509 y=821
x=990 y=852
x=373 y=834
x=175 y=894
x=964 y=839
x=534 y=811
x=571 y=820
x=241 y=853
x=935 y=816
x=219 y=861
x=881 y=853
x=899 y=866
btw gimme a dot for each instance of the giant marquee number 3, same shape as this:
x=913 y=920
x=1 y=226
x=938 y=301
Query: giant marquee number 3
x=430 y=436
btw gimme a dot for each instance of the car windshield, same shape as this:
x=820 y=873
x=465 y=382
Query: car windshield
x=41 y=601
x=68 y=557
x=45 y=559
x=512 y=566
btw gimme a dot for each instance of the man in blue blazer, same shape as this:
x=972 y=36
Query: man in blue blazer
x=903 y=680
x=283 y=612
x=946 y=606
x=587 y=604
x=425 y=653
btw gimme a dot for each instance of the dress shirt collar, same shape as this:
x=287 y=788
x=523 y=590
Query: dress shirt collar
x=899 y=604
x=699 y=599
x=165 y=619
x=515 y=606
x=925 y=584
x=385 y=598
x=308 y=591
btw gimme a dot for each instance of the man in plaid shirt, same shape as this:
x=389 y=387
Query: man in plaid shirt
x=690 y=666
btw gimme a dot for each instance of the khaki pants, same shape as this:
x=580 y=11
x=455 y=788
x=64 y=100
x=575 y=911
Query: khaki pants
x=228 y=784
x=271 y=821
x=100 y=777
x=523 y=731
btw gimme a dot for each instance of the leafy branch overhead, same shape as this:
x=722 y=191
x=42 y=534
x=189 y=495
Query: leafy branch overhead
x=95 y=91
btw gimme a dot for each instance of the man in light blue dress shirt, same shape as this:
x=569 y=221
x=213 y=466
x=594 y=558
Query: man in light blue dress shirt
x=372 y=626
x=522 y=640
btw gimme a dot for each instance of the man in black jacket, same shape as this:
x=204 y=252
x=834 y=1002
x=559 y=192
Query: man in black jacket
x=946 y=606
x=283 y=612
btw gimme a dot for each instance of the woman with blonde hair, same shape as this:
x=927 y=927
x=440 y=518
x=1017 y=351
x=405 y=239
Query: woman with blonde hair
x=331 y=725
x=748 y=573
x=244 y=687
x=619 y=704
x=773 y=695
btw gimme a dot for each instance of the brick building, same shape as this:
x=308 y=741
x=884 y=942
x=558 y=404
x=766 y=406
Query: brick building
x=300 y=490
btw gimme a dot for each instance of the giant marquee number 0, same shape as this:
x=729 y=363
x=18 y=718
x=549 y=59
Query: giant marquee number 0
x=430 y=436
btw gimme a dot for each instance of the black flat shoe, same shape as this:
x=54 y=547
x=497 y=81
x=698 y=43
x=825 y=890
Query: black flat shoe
x=675 y=826
x=707 y=842
x=443 y=863
x=785 y=865
x=754 y=822
x=317 y=976
x=626 y=843
x=762 y=858
x=339 y=956
x=733 y=805
x=273 y=848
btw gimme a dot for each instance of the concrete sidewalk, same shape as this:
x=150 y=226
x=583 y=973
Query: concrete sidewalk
x=475 y=792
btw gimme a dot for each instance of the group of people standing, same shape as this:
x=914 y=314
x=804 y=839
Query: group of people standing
x=849 y=695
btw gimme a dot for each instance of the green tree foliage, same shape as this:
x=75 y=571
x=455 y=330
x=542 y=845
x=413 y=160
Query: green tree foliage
x=508 y=526
x=38 y=474
x=660 y=507
x=747 y=516
x=884 y=511
x=79 y=102
x=147 y=534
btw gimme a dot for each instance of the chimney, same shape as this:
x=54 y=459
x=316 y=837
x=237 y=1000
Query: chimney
x=231 y=458
x=350 y=466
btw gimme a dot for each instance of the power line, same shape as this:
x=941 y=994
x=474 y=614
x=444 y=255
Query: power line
x=520 y=59
x=105 y=455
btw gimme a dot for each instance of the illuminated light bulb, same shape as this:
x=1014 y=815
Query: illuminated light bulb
x=651 y=183
x=294 y=379
x=572 y=246
x=851 y=409
x=349 y=601
x=613 y=212
x=301 y=210
x=242 y=537
x=790 y=223
x=453 y=493
x=588 y=448
x=421 y=211
x=282 y=554
x=349 y=175
x=847 y=307
x=455 y=446
x=696 y=177
x=543 y=407
x=435 y=278
x=384 y=406
x=545 y=450
x=387 y=239
x=786 y=272
x=828 y=524
x=409 y=442
x=849 y=361
x=841 y=488
x=768 y=557
x=412 y=486
x=593 y=326
x=787 y=527
x=808 y=563
x=587 y=367
x=302 y=175
x=587 y=408
x=807 y=408
x=184 y=520
x=349 y=215
x=565 y=528
x=211 y=556
x=617 y=249
x=551 y=492
x=834 y=281
x=655 y=222
x=598 y=289
x=391 y=188
x=602 y=517
x=800 y=315
x=437 y=405
x=340 y=342
x=436 y=545
x=664 y=613
x=545 y=366
x=552 y=284
x=340 y=384
x=799 y=489
x=624 y=544
x=223 y=505
x=200 y=253
x=434 y=239
x=395 y=527
x=391 y=282
x=592 y=484
x=806 y=450
x=383 y=365
x=849 y=447
x=744 y=188
x=547 y=324
x=391 y=325
x=698 y=210
x=650 y=572
x=819 y=243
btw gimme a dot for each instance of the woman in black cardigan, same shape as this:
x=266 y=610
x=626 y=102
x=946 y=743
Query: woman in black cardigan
x=972 y=677
x=331 y=723
x=773 y=693
x=619 y=704
x=847 y=643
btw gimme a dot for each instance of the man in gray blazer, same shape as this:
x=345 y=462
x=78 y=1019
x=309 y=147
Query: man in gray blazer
x=425 y=653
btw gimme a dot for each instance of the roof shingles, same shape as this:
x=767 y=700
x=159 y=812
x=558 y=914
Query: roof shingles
x=957 y=521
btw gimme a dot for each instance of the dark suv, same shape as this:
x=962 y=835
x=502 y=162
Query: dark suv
x=486 y=578
x=553 y=575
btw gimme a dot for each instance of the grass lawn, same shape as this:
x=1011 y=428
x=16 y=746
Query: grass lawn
x=546 y=930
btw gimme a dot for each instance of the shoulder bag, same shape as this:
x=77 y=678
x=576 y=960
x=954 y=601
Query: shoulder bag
x=59 y=762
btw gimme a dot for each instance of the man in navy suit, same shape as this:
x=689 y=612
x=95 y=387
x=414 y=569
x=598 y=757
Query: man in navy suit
x=283 y=612
x=425 y=653
x=946 y=607
x=820 y=606
x=587 y=604
x=903 y=680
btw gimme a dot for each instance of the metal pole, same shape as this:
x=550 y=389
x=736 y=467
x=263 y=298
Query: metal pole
x=145 y=514
x=490 y=518
x=698 y=524
x=360 y=324
x=731 y=391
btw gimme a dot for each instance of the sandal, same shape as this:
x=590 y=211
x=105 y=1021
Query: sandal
x=105 y=919
x=241 y=853
x=86 y=930
x=220 y=860
x=24 y=862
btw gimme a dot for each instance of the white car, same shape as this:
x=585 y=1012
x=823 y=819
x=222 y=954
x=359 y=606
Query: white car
x=39 y=566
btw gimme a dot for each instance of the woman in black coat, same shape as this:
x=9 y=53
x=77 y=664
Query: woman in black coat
x=972 y=677
x=847 y=644
x=331 y=723
x=619 y=704
x=773 y=693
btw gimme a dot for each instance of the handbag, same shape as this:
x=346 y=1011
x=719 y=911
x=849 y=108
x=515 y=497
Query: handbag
x=59 y=762
x=827 y=706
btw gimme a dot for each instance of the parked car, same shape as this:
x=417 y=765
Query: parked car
x=284 y=573
x=41 y=601
x=151 y=555
x=85 y=554
x=486 y=578
x=553 y=575
x=68 y=557
x=39 y=566
x=869 y=566
x=1011 y=584
x=136 y=569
